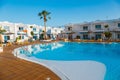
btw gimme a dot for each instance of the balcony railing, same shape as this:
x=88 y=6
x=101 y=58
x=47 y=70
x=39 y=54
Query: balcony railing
x=21 y=33
x=116 y=30
x=98 y=30
x=36 y=32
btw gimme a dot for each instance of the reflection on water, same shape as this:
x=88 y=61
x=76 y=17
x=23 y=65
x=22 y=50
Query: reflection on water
x=34 y=49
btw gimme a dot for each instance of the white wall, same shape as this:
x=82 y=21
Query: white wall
x=113 y=25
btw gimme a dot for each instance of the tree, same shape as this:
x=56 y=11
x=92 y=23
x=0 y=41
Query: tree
x=77 y=37
x=31 y=26
x=45 y=16
x=32 y=33
x=42 y=35
x=107 y=34
x=107 y=27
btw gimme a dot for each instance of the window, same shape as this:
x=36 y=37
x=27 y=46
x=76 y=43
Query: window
x=85 y=36
x=6 y=38
x=20 y=28
x=22 y=37
x=119 y=25
x=98 y=27
x=85 y=27
x=69 y=28
x=98 y=36
x=35 y=37
x=40 y=30
x=118 y=36
x=34 y=29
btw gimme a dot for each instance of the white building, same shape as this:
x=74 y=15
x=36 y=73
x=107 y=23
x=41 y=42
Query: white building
x=19 y=30
x=54 y=32
x=10 y=31
x=93 y=30
x=35 y=29
x=25 y=31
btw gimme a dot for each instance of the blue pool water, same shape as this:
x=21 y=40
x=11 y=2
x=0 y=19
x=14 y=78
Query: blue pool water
x=106 y=53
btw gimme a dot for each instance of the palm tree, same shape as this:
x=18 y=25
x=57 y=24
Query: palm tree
x=45 y=16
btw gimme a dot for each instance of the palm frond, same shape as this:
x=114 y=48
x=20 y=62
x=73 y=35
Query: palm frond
x=41 y=17
x=39 y=14
x=49 y=17
x=48 y=13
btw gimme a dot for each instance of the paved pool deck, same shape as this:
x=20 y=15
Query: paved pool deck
x=13 y=68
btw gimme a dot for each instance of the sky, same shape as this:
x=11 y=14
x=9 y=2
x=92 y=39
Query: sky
x=62 y=11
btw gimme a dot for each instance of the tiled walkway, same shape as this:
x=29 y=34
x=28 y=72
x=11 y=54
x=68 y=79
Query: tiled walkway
x=12 y=68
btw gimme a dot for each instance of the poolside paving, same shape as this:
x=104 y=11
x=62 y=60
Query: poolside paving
x=12 y=68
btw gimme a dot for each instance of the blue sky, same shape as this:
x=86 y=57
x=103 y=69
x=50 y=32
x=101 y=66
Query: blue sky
x=62 y=11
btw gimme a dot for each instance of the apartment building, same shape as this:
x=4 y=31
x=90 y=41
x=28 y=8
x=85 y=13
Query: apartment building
x=25 y=31
x=54 y=32
x=34 y=31
x=20 y=31
x=10 y=31
x=93 y=30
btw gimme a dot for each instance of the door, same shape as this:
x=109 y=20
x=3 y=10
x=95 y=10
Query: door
x=98 y=36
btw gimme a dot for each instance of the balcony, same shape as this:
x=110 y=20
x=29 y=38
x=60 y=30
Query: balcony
x=35 y=32
x=98 y=30
x=8 y=33
x=116 y=30
x=21 y=33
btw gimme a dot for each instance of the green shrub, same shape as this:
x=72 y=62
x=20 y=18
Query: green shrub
x=77 y=37
x=31 y=26
x=108 y=35
x=32 y=33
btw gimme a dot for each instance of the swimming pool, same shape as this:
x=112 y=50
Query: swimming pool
x=106 y=53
